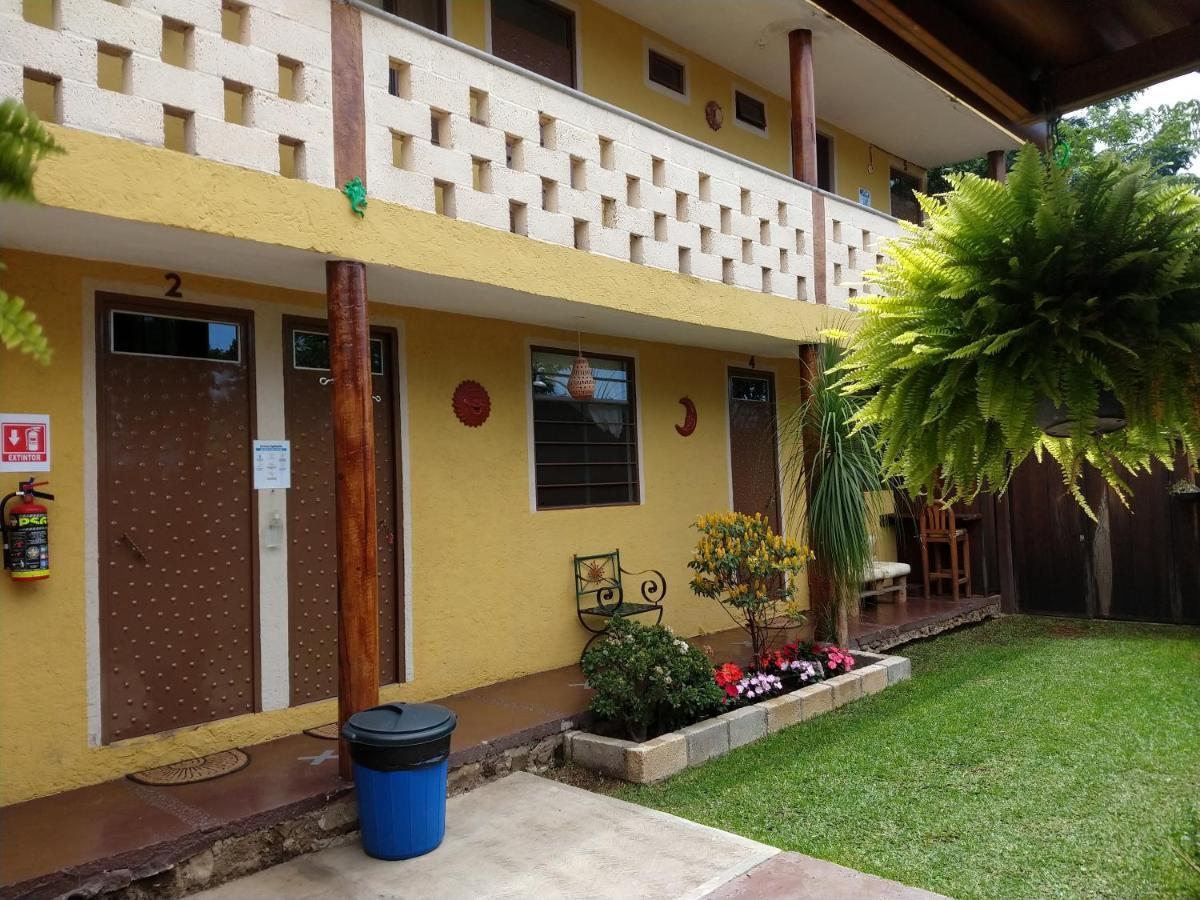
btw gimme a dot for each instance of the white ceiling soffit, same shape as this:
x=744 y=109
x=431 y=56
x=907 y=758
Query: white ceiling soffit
x=859 y=86
x=62 y=232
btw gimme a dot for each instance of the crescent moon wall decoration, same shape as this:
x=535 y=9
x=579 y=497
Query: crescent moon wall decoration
x=689 y=417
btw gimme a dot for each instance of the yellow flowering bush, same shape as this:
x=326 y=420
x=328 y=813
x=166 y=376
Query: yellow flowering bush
x=743 y=564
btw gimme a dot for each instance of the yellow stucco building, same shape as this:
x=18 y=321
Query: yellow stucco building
x=542 y=180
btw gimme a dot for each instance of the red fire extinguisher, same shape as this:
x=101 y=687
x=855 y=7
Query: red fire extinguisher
x=27 y=533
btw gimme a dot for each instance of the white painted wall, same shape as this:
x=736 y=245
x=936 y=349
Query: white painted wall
x=295 y=29
x=687 y=196
x=854 y=239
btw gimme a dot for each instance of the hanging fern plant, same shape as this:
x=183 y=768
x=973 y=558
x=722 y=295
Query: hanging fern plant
x=1050 y=290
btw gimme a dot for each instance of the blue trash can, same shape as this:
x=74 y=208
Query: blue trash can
x=401 y=753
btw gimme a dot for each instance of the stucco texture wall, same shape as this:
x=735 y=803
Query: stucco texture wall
x=492 y=592
x=612 y=55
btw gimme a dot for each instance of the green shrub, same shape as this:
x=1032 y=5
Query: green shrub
x=647 y=681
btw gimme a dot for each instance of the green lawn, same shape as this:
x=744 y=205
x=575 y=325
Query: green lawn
x=1027 y=757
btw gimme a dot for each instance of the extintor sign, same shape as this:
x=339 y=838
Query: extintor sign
x=24 y=442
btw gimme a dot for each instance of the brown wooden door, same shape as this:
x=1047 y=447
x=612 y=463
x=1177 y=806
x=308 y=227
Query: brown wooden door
x=178 y=551
x=753 y=448
x=312 y=546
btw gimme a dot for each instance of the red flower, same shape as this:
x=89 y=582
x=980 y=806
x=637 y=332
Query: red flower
x=727 y=676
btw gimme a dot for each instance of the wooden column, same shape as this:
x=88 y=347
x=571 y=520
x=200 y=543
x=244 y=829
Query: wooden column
x=820 y=597
x=804 y=146
x=804 y=107
x=354 y=476
x=349 y=100
x=995 y=165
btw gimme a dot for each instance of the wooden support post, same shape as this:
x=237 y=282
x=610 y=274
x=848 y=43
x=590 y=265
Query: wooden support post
x=996 y=165
x=804 y=146
x=828 y=623
x=804 y=107
x=354 y=474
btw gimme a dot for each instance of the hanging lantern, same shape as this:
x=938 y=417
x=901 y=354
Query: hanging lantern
x=581 y=385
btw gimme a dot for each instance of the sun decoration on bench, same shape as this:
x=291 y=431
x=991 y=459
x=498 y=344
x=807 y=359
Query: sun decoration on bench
x=596 y=572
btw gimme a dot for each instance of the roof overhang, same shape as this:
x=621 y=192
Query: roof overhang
x=1021 y=62
x=859 y=87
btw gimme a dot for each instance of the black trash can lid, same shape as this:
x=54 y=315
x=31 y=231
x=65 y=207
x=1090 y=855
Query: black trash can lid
x=399 y=725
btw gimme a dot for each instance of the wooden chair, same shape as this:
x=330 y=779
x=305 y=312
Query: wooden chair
x=938 y=528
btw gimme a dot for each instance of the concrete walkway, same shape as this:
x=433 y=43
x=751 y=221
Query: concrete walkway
x=525 y=836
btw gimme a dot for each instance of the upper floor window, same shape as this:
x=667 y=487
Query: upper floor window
x=536 y=35
x=750 y=110
x=824 y=162
x=585 y=451
x=429 y=13
x=904 y=199
x=666 y=72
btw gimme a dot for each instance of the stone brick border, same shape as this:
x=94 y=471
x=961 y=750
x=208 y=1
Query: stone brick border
x=664 y=756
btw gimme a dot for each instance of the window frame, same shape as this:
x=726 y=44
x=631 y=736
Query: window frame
x=111 y=347
x=372 y=342
x=652 y=49
x=576 y=43
x=764 y=129
x=631 y=360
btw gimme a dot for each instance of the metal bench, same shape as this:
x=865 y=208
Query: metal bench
x=600 y=593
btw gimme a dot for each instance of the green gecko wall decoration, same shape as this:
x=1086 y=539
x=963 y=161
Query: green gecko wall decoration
x=356 y=193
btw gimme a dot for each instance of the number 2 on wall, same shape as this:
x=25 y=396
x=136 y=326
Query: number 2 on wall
x=176 y=282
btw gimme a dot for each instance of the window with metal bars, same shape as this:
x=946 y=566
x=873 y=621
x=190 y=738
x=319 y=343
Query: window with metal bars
x=585 y=451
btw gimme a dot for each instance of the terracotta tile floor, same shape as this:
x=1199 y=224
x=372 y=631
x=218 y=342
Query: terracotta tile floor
x=55 y=843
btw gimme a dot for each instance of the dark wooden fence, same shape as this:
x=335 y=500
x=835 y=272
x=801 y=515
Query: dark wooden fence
x=1042 y=554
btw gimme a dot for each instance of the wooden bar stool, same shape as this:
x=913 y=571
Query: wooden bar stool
x=937 y=527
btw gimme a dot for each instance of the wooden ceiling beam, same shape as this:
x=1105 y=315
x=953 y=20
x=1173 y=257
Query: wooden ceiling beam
x=1149 y=62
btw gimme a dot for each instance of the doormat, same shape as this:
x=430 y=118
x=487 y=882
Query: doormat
x=191 y=771
x=325 y=732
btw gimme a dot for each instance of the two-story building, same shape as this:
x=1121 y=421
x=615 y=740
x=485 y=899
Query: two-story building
x=544 y=180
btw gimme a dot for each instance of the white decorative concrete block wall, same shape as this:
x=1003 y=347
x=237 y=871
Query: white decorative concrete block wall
x=854 y=239
x=275 y=41
x=452 y=132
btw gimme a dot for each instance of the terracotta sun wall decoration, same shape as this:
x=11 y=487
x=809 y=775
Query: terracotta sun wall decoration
x=689 y=416
x=471 y=403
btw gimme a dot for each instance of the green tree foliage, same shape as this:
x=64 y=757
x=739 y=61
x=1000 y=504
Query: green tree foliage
x=1051 y=285
x=23 y=143
x=1166 y=138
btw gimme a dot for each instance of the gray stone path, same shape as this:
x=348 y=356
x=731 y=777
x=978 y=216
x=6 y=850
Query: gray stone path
x=525 y=836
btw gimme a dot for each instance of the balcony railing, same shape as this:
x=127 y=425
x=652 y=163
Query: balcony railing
x=449 y=129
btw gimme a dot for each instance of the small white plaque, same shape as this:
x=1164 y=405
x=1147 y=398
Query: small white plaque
x=272 y=465
x=864 y=196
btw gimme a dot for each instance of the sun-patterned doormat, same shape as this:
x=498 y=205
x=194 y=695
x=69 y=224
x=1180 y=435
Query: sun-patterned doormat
x=191 y=771
x=326 y=732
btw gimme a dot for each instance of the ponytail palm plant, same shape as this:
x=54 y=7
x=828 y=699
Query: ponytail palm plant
x=1052 y=288
x=837 y=489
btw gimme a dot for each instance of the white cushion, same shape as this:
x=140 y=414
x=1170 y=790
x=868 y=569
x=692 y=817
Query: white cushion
x=881 y=570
